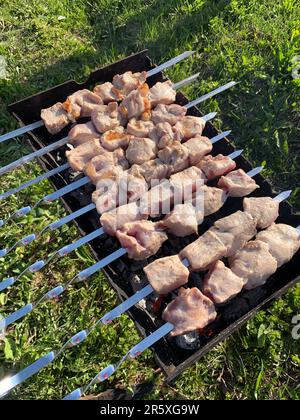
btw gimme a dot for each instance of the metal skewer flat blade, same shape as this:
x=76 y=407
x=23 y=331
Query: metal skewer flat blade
x=58 y=223
x=210 y=116
x=170 y=63
x=34 y=155
x=298 y=229
x=9 y=383
x=211 y=94
x=15 y=316
x=151 y=339
x=255 y=171
x=21 y=130
x=220 y=136
x=186 y=81
x=73 y=396
x=236 y=154
x=283 y=196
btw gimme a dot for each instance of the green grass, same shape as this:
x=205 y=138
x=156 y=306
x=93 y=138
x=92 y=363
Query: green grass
x=253 y=42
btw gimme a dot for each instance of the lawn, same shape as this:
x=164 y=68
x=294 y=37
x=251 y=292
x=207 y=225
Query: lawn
x=48 y=42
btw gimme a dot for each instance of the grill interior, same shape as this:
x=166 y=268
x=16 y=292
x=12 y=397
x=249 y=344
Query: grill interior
x=124 y=273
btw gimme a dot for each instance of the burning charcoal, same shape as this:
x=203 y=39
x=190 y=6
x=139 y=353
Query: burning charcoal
x=137 y=282
x=190 y=341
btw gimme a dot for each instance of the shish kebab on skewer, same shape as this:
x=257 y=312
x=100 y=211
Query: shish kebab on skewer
x=84 y=274
x=239 y=227
x=132 y=224
x=249 y=267
x=85 y=99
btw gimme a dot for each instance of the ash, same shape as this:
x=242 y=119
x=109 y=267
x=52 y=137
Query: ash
x=190 y=341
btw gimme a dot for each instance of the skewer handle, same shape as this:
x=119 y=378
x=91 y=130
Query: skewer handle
x=69 y=248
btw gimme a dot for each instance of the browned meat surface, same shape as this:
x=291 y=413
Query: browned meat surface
x=129 y=81
x=176 y=156
x=154 y=170
x=166 y=274
x=238 y=183
x=264 y=210
x=190 y=311
x=55 y=118
x=114 y=139
x=254 y=264
x=216 y=166
x=164 y=135
x=108 y=92
x=182 y=221
x=81 y=133
x=198 y=147
x=141 y=239
x=82 y=154
x=139 y=128
x=203 y=252
x=96 y=168
x=132 y=186
x=168 y=113
x=162 y=93
x=141 y=150
x=190 y=127
x=283 y=242
x=81 y=104
x=136 y=104
x=221 y=284
x=107 y=117
x=116 y=219
x=235 y=231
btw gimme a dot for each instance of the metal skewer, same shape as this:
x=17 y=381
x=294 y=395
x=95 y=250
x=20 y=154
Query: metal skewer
x=58 y=290
x=69 y=248
x=7 y=384
x=67 y=189
x=37 y=124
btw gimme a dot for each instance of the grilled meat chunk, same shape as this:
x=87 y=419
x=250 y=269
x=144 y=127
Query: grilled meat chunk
x=140 y=150
x=190 y=311
x=190 y=127
x=116 y=138
x=170 y=114
x=164 y=135
x=108 y=93
x=166 y=274
x=283 y=242
x=176 y=156
x=264 y=210
x=55 y=118
x=254 y=264
x=141 y=239
x=221 y=284
x=162 y=93
x=82 y=154
x=182 y=221
x=107 y=117
x=153 y=170
x=213 y=199
x=95 y=169
x=81 y=133
x=235 y=231
x=238 y=183
x=115 y=219
x=81 y=104
x=129 y=81
x=198 y=147
x=216 y=166
x=203 y=252
x=136 y=104
x=139 y=128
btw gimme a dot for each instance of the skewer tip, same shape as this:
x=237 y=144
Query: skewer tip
x=1 y=223
x=283 y=196
x=3 y=252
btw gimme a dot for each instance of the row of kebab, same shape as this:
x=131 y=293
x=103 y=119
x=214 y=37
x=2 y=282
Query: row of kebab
x=139 y=149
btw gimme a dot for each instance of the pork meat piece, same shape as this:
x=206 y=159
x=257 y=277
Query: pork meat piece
x=283 y=242
x=55 y=118
x=182 y=221
x=141 y=150
x=129 y=81
x=203 y=252
x=154 y=170
x=235 y=231
x=238 y=183
x=106 y=195
x=164 y=135
x=264 y=210
x=166 y=274
x=107 y=117
x=141 y=239
x=190 y=127
x=114 y=139
x=176 y=156
x=191 y=174
x=253 y=264
x=95 y=168
x=198 y=147
x=221 y=284
x=162 y=93
x=115 y=219
x=81 y=133
x=81 y=155
x=189 y=311
x=216 y=166
x=170 y=114
x=81 y=104
x=213 y=199
x=108 y=93
x=132 y=186
x=139 y=128
x=158 y=200
x=136 y=104
x=186 y=184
